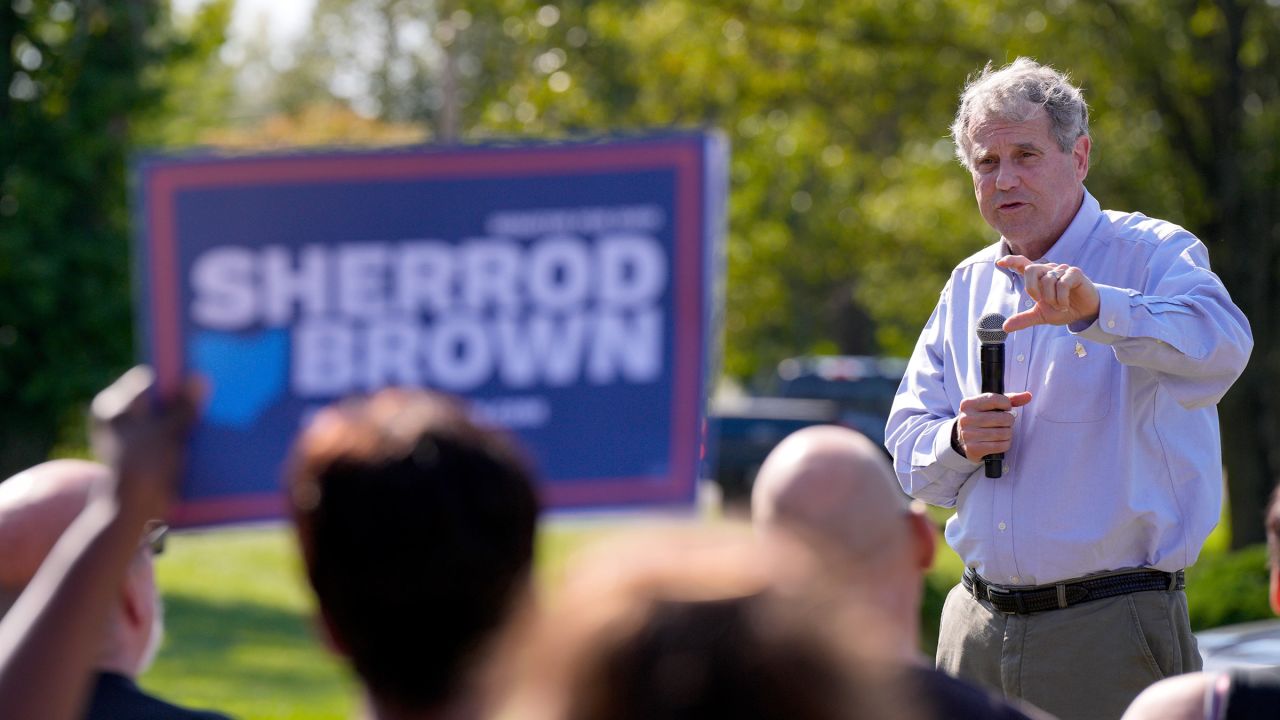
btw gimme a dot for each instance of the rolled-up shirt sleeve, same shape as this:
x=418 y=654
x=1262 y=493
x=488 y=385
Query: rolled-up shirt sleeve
x=918 y=433
x=1183 y=326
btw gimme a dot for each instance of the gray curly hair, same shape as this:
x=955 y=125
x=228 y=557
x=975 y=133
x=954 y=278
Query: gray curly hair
x=1013 y=93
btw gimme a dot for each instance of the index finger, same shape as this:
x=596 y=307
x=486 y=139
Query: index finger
x=1023 y=320
x=1016 y=263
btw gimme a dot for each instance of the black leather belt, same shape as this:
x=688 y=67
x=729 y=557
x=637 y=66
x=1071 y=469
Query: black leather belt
x=1038 y=598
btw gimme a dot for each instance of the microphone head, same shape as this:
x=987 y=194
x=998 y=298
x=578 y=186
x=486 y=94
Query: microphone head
x=991 y=329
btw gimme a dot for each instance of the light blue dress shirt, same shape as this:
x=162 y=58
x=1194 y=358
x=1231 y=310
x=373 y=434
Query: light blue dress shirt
x=1116 y=461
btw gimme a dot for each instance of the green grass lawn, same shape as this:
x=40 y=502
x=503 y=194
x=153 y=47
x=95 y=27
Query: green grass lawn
x=240 y=636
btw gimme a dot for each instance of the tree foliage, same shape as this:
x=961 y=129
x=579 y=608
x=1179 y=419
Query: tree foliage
x=75 y=81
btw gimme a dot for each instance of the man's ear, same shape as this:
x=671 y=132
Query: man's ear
x=330 y=634
x=922 y=536
x=1080 y=154
x=133 y=604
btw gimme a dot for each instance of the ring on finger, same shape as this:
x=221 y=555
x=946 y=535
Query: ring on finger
x=1053 y=274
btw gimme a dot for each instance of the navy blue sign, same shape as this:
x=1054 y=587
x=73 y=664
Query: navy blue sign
x=564 y=290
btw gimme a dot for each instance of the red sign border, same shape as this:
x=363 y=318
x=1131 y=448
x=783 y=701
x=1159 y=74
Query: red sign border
x=162 y=181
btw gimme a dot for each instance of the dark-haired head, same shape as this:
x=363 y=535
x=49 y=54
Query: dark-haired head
x=417 y=530
x=686 y=623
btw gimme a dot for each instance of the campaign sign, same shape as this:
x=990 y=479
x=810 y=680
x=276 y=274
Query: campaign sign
x=564 y=290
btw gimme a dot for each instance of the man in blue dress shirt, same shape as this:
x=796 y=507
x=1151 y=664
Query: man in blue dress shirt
x=1121 y=342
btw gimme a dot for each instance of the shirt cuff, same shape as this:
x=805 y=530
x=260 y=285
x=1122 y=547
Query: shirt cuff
x=946 y=455
x=1112 y=324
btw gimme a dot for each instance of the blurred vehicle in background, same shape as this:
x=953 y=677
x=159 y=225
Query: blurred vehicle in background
x=1251 y=644
x=851 y=390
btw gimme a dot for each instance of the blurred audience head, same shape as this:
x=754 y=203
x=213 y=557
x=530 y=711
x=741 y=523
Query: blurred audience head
x=36 y=507
x=685 y=624
x=417 y=531
x=832 y=488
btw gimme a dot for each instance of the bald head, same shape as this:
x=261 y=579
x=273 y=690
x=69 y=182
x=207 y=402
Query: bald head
x=833 y=488
x=834 y=485
x=36 y=507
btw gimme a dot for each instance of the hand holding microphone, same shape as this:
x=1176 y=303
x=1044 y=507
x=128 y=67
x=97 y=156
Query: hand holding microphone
x=984 y=426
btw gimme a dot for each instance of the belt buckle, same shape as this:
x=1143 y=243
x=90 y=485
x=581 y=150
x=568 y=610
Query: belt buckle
x=995 y=594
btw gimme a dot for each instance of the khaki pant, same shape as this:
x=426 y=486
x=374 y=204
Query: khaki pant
x=1085 y=662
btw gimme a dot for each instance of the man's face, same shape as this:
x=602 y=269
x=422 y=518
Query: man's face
x=1027 y=187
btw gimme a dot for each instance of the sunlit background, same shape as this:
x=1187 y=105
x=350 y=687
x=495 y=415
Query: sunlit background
x=847 y=208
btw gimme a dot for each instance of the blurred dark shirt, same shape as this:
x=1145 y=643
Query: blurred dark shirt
x=947 y=697
x=116 y=697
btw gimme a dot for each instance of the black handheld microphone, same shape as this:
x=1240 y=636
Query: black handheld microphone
x=991 y=356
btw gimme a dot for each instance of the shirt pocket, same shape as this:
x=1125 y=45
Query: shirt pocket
x=1077 y=383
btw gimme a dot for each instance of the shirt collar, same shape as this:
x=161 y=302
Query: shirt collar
x=1067 y=249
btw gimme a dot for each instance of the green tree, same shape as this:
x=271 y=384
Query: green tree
x=74 y=80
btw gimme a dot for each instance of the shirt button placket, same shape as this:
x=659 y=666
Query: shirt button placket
x=1017 y=347
x=1020 y=353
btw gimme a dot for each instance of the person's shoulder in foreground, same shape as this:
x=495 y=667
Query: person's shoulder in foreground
x=117 y=696
x=1250 y=693
x=1237 y=694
